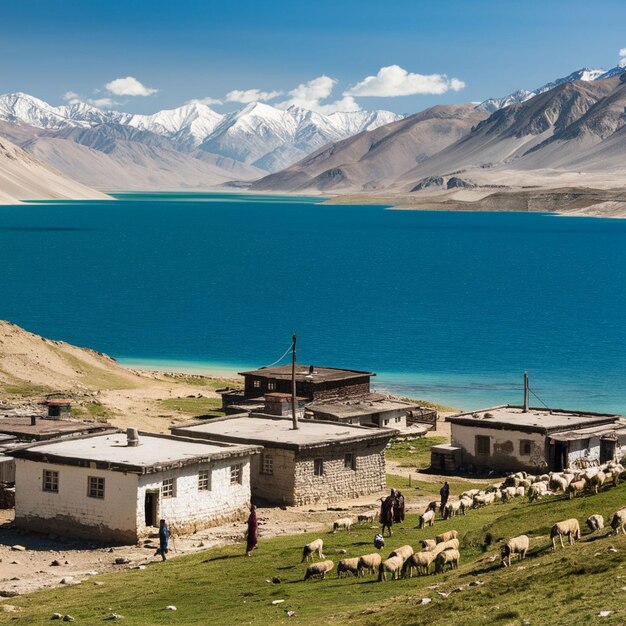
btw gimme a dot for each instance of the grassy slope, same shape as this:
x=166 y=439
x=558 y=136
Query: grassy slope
x=221 y=586
x=195 y=407
x=413 y=453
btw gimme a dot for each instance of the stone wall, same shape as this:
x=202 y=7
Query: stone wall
x=277 y=487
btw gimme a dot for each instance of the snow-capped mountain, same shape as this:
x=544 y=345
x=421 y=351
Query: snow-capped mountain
x=259 y=134
x=494 y=104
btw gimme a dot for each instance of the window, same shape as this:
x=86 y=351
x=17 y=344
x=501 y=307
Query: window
x=483 y=445
x=271 y=386
x=257 y=384
x=398 y=419
x=50 y=481
x=168 y=488
x=385 y=422
x=525 y=447
x=318 y=467
x=95 y=487
x=204 y=480
x=267 y=464
x=348 y=460
x=236 y=472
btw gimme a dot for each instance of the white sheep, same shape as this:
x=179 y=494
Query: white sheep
x=521 y=491
x=516 y=545
x=595 y=522
x=369 y=563
x=470 y=493
x=319 y=569
x=428 y=544
x=393 y=565
x=403 y=551
x=449 y=534
x=619 y=521
x=427 y=518
x=537 y=491
x=597 y=480
x=344 y=522
x=508 y=493
x=348 y=566
x=420 y=561
x=466 y=503
x=311 y=548
x=450 y=544
x=568 y=527
x=576 y=486
x=368 y=516
x=452 y=509
x=447 y=557
x=557 y=483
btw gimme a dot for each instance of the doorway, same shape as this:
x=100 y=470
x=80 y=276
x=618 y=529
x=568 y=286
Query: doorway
x=151 y=508
x=607 y=449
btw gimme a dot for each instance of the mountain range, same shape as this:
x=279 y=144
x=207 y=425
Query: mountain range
x=191 y=146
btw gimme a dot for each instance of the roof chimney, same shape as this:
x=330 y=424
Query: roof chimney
x=132 y=437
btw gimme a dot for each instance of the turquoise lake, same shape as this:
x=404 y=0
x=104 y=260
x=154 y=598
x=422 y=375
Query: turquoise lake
x=451 y=307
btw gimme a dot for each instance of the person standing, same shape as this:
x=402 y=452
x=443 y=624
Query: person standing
x=398 y=508
x=251 y=535
x=164 y=538
x=444 y=492
x=386 y=512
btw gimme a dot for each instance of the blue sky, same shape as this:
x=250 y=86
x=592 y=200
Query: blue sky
x=207 y=49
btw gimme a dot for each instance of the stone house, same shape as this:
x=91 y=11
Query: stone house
x=509 y=438
x=111 y=487
x=320 y=462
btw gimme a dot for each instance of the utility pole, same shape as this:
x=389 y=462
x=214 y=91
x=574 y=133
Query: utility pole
x=526 y=392
x=294 y=408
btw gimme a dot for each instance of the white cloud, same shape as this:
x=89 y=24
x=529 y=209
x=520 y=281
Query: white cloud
x=310 y=95
x=394 y=81
x=208 y=101
x=102 y=103
x=622 y=52
x=129 y=86
x=251 y=95
x=71 y=97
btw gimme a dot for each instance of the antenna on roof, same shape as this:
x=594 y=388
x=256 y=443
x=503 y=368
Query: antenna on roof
x=294 y=414
x=526 y=388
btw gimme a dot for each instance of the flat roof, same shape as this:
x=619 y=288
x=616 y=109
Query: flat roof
x=540 y=420
x=46 y=428
x=111 y=451
x=368 y=404
x=320 y=374
x=618 y=428
x=277 y=432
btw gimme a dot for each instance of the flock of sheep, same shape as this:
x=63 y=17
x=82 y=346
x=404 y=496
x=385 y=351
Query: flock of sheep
x=443 y=551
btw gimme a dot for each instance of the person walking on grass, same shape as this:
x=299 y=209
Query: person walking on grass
x=444 y=492
x=164 y=537
x=398 y=508
x=251 y=535
x=386 y=512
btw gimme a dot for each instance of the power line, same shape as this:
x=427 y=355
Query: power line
x=287 y=351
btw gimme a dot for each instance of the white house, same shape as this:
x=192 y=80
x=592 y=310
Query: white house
x=116 y=487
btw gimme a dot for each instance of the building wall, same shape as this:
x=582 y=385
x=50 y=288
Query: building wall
x=71 y=511
x=307 y=389
x=190 y=509
x=337 y=481
x=279 y=486
x=504 y=448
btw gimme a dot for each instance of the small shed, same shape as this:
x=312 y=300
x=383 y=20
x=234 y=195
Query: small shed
x=320 y=462
x=111 y=487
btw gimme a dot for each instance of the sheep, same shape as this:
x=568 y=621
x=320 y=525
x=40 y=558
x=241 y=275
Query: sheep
x=451 y=544
x=392 y=565
x=318 y=569
x=516 y=545
x=470 y=493
x=576 y=486
x=619 y=521
x=427 y=518
x=348 y=566
x=404 y=551
x=480 y=500
x=557 y=483
x=466 y=503
x=433 y=506
x=450 y=534
x=521 y=491
x=369 y=563
x=597 y=480
x=311 y=548
x=447 y=557
x=420 y=561
x=569 y=527
x=428 y=544
x=537 y=490
x=452 y=509
x=508 y=493
x=595 y=522
x=344 y=522
x=368 y=516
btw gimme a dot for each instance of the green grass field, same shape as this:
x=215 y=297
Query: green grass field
x=414 y=452
x=222 y=586
x=196 y=407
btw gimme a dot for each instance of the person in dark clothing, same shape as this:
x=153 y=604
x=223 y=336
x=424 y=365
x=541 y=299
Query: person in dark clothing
x=444 y=492
x=386 y=512
x=164 y=538
x=398 y=508
x=253 y=526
